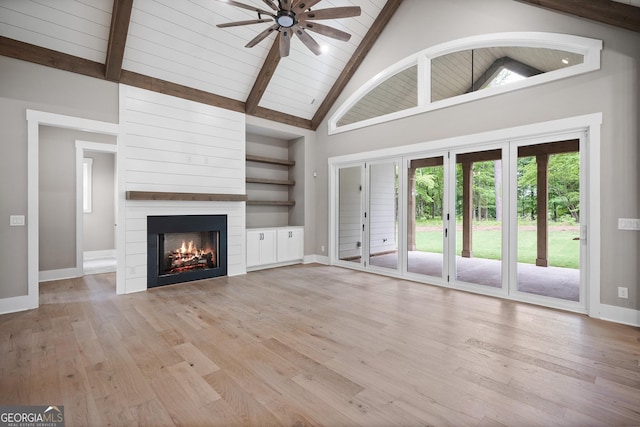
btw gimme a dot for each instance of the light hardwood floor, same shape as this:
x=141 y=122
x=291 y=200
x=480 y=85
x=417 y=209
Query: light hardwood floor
x=314 y=345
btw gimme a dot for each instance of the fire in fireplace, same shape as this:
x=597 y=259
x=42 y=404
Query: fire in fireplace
x=183 y=248
x=182 y=252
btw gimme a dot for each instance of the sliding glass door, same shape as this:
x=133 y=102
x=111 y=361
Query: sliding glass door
x=479 y=210
x=382 y=214
x=549 y=214
x=350 y=214
x=426 y=216
x=503 y=219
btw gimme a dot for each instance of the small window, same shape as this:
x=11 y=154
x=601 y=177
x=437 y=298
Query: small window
x=466 y=70
x=398 y=92
x=87 y=184
x=472 y=70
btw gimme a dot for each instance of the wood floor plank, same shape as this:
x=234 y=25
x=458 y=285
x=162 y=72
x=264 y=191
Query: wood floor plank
x=196 y=388
x=243 y=404
x=196 y=359
x=312 y=345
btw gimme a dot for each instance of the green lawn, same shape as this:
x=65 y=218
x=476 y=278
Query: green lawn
x=563 y=250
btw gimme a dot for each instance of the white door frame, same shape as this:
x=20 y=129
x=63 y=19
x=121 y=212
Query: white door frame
x=35 y=119
x=334 y=217
x=81 y=148
x=590 y=124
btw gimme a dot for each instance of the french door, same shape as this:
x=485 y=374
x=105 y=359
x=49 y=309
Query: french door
x=505 y=219
x=368 y=209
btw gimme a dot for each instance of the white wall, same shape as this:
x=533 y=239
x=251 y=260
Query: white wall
x=614 y=90
x=176 y=145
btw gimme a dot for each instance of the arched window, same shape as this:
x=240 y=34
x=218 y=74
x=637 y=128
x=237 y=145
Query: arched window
x=465 y=70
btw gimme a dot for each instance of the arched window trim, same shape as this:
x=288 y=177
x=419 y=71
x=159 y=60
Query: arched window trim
x=589 y=48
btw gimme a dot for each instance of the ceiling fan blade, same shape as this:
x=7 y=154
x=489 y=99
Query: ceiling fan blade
x=325 y=30
x=308 y=40
x=270 y=4
x=285 y=5
x=333 y=13
x=248 y=7
x=263 y=35
x=303 y=5
x=285 y=42
x=238 y=23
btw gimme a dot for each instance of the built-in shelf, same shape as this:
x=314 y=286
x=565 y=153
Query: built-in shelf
x=271 y=203
x=270 y=160
x=271 y=181
x=199 y=197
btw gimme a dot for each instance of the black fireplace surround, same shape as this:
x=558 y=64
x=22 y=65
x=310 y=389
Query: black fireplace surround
x=205 y=235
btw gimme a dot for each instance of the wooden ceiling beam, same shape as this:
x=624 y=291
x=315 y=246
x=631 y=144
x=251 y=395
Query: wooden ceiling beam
x=168 y=88
x=50 y=58
x=264 y=77
x=120 y=19
x=605 y=11
x=279 y=117
x=356 y=59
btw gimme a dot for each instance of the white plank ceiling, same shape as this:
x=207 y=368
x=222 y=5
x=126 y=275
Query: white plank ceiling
x=79 y=28
x=178 y=41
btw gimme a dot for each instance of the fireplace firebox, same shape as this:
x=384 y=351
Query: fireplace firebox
x=183 y=248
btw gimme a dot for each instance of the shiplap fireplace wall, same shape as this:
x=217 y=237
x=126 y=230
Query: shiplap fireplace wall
x=179 y=146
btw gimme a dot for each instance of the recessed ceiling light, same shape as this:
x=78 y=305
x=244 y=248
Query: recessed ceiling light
x=565 y=61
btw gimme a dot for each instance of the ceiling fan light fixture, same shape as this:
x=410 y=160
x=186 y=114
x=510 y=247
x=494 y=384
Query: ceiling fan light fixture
x=286 y=19
x=292 y=17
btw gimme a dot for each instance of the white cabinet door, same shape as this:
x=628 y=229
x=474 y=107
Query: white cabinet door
x=268 y=247
x=253 y=247
x=261 y=247
x=290 y=244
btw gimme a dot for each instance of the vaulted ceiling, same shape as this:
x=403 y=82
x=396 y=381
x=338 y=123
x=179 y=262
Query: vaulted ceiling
x=174 y=47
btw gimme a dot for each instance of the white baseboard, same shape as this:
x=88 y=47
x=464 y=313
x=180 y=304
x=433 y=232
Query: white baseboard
x=274 y=265
x=93 y=255
x=63 y=273
x=318 y=259
x=626 y=316
x=15 y=304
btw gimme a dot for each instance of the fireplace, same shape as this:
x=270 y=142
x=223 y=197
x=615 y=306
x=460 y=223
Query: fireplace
x=183 y=248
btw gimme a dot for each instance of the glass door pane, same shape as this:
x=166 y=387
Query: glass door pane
x=549 y=220
x=425 y=216
x=479 y=202
x=350 y=224
x=383 y=215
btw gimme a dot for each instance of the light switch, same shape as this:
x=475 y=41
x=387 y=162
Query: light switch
x=16 y=220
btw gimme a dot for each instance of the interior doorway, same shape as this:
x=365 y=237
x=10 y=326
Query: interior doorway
x=96 y=207
x=36 y=119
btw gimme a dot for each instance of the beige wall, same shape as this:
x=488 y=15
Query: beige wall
x=28 y=86
x=614 y=91
x=99 y=224
x=57 y=197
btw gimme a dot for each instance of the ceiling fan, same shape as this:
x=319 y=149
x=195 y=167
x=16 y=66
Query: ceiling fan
x=295 y=17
